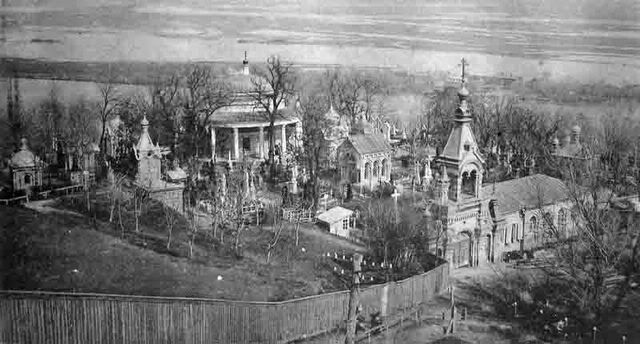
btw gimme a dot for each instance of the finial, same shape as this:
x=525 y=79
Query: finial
x=23 y=144
x=463 y=64
x=144 y=121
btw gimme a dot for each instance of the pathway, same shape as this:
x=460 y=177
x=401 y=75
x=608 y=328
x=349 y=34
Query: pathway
x=44 y=207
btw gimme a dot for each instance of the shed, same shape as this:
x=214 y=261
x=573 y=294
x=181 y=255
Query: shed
x=338 y=220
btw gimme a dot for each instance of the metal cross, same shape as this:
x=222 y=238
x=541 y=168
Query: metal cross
x=463 y=64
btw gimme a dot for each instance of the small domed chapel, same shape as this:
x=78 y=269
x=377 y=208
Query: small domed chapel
x=476 y=223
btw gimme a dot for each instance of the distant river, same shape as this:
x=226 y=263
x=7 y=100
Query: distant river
x=584 y=40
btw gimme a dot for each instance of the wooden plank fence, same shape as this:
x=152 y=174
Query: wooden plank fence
x=63 y=318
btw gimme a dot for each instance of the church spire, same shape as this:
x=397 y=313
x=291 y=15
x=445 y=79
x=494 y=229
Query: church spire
x=460 y=154
x=462 y=112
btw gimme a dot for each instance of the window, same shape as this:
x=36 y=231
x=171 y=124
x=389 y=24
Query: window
x=27 y=179
x=514 y=232
x=246 y=143
x=562 y=221
x=504 y=234
x=345 y=224
x=533 y=228
x=467 y=147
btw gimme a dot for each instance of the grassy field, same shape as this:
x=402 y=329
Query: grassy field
x=74 y=253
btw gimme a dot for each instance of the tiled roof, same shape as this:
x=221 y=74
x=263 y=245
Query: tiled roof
x=529 y=192
x=370 y=144
x=334 y=215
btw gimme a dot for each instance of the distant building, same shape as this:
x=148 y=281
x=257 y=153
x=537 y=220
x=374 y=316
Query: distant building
x=238 y=131
x=364 y=158
x=338 y=220
x=26 y=168
x=571 y=147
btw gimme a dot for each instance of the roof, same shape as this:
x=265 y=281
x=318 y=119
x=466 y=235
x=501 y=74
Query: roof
x=529 y=192
x=225 y=117
x=177 y=174
x=369 y=144
x=572 y=150
x=24 y=157
x=461 y=134
x=334 y=215
x=144 y=142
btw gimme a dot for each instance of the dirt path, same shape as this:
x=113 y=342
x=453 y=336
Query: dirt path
x=312 y=230
x=45 y=208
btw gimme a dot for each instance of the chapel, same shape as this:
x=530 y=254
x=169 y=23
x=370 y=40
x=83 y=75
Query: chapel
x=478 y=223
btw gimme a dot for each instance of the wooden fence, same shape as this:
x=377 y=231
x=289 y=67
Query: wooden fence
x=43 y=194
x=304 y=215
x=62 y=318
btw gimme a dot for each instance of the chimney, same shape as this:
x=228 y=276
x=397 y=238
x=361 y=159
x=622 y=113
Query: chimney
x=245 y=65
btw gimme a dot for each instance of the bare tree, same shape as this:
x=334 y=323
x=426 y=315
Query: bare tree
x=354 y=93
x=271 y=87
x=203 y=96
x=311 y=113
x=596 y=252
x=278 y=225
x=171 y=219
x=140 y=198
x=109 y=100
x=165 y=107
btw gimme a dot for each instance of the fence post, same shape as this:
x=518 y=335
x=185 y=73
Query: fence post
x=353 y=300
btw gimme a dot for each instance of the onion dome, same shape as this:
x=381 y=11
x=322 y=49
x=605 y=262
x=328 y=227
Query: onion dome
x=24 y=157
x=144 y=143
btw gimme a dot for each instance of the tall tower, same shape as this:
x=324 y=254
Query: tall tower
x=460 y=156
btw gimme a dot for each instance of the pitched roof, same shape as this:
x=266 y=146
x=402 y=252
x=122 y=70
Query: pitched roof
x=529 y=192
x=572 y=150
x=370 y=144
x=334 y=215
x=460 y=135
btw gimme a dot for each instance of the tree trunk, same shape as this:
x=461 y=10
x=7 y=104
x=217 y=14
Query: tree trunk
x=112 y=208
x=298 y=230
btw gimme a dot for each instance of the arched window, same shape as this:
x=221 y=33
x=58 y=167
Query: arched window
x=548 y=226
x=562 y=221
x=27 y=179
x=533 y=228
x=367 y=170
x=383 y=168
x=504 y=234
x=469 y=183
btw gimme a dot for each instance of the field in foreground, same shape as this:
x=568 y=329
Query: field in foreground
x=67 y=252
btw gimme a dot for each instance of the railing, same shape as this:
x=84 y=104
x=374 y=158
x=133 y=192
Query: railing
x=43 y=194
x=45 y=317
x=303 y=215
